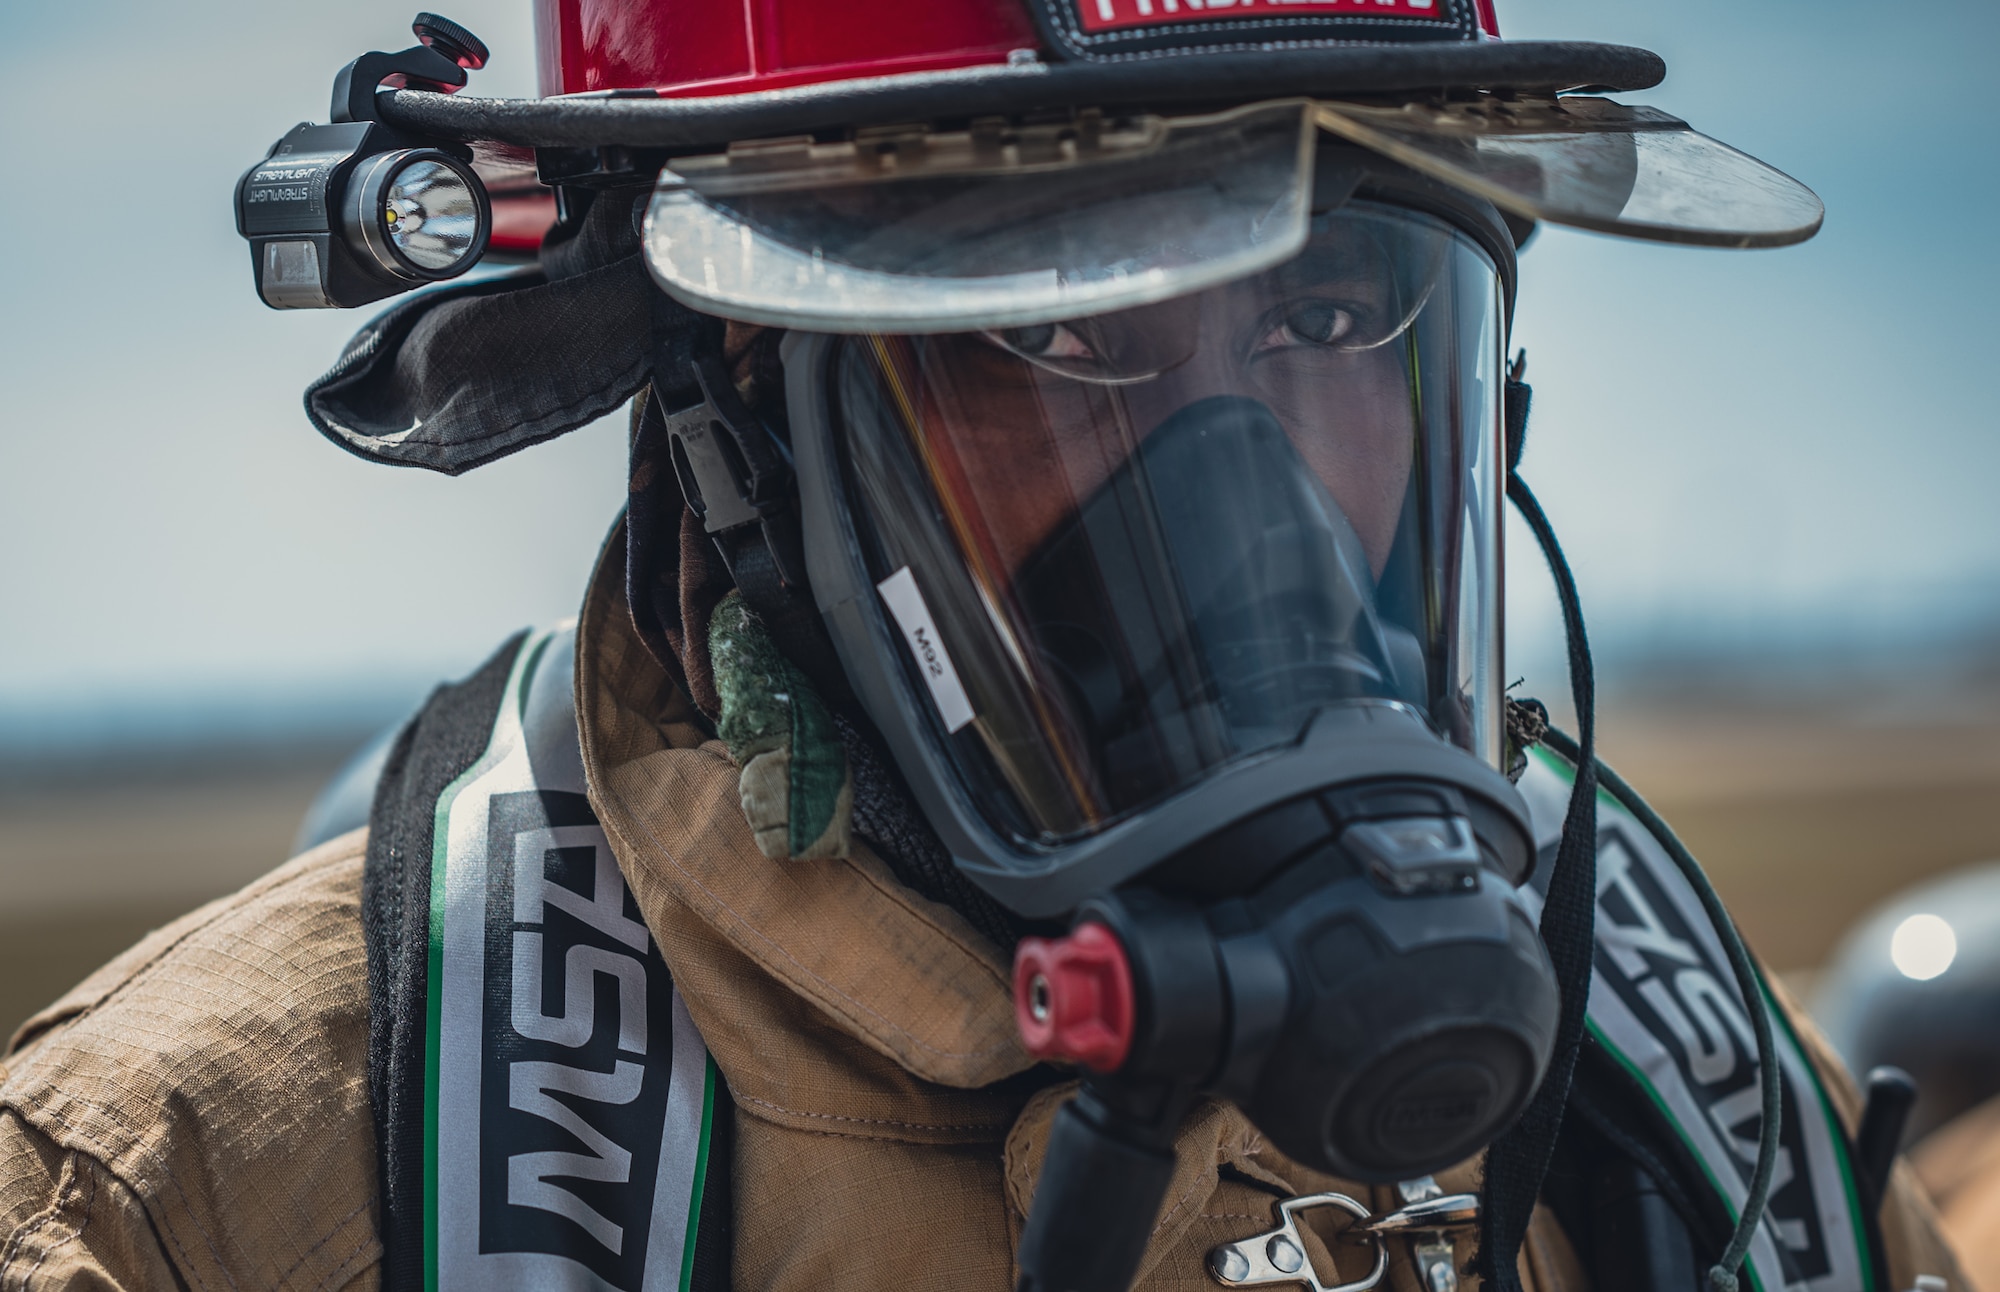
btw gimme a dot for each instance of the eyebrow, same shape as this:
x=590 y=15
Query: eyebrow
x=1319 y=265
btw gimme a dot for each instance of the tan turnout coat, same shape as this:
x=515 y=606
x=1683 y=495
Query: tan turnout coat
x=196 y=1113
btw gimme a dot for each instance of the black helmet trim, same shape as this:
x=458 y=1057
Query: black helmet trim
x=1093 y=29
x=642 y=119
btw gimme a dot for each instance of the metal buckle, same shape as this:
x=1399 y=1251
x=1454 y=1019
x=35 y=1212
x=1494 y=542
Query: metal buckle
x=1427 y=1213
x=1280 y=1256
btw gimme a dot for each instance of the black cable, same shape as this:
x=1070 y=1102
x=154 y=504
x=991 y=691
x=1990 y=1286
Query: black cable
x=1518 y=1161
x=1722 y=1277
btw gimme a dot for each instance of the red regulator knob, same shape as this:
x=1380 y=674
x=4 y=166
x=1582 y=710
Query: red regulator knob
x=1073 y=997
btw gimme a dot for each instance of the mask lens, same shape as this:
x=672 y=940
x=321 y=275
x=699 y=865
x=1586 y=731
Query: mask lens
x=1163 y=539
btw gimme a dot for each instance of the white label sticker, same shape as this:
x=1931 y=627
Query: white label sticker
x=906 y=603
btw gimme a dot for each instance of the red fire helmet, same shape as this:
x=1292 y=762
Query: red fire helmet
x=678 y=49
x=678 y=76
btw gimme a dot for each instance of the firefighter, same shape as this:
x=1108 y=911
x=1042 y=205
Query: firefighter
x=1029 y=797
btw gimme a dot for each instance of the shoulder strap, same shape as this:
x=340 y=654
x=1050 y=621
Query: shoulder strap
x=546 y=1114
x=1672 y=1064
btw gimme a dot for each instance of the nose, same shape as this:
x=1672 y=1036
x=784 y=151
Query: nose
x=1211 y=369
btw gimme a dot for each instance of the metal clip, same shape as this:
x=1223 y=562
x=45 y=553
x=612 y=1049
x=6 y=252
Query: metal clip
x=1447 y=1211
x=1428 y=1212
x=1280 y=1256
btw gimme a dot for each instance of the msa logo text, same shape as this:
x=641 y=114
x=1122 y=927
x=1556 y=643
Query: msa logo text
x=532 y=1085
x=577 y=1053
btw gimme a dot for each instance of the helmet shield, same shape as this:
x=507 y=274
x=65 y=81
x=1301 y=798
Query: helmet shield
x=908 y=230
x=1134 y=547
x=1592 y=164
x=919 y=231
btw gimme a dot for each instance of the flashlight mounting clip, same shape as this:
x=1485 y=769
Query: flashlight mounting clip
x=438 y=62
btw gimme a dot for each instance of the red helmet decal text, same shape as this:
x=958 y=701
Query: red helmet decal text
x=1114 y=15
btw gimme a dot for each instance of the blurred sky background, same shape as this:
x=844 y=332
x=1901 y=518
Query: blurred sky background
x=1761 y=457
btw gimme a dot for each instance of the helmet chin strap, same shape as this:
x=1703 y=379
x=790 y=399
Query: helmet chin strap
x=737 y=477
x=1517 y=1162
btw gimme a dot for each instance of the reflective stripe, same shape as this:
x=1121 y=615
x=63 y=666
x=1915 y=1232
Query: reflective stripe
x=568 y=1122
x=1665 y=1005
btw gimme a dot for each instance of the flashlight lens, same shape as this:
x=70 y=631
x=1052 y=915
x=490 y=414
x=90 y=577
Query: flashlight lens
x=430 y=214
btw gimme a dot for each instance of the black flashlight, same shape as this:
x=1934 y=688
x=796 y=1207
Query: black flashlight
x=343 y=214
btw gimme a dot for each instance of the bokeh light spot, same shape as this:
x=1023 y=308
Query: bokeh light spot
x=1923 y=947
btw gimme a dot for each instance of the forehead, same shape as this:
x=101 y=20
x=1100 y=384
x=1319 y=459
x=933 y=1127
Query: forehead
x=1354 y=253
x=1362 y=252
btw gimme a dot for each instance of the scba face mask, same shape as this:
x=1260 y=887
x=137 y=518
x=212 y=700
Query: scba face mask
x=1182 y=620
x=1133 y=550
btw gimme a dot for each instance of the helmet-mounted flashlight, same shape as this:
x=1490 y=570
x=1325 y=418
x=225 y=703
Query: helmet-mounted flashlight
x=347 y=213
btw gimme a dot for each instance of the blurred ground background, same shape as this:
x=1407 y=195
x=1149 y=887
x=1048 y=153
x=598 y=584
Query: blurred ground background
x=96 y=851
x=1807 y=809
x=1806 y=815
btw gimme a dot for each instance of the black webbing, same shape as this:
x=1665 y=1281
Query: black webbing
x=445 y=738
x=786 y=610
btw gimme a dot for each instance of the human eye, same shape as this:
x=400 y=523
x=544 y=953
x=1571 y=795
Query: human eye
x=1041 y=341
x=1309 y=323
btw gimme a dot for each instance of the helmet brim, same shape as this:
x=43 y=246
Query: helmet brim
x=641 y=119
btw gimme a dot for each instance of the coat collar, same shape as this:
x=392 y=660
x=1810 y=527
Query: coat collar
x=908 y=977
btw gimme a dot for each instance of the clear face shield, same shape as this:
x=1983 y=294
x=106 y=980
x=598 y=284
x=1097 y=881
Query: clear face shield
x=1156 y=541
